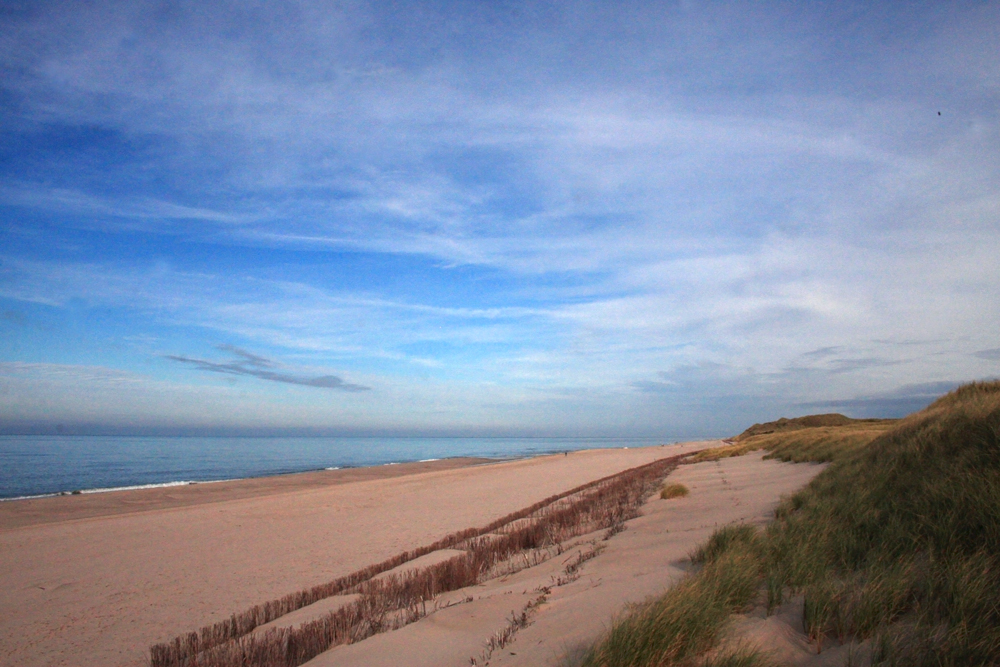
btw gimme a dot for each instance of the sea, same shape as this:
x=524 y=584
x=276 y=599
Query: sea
x=39 y=466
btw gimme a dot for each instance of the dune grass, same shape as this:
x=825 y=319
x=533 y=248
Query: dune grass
x=687 y=620
x=820 y=444
x=726 y=451
x=728 y=538
x=741 y=657
x=898 y=541
x=670 y=491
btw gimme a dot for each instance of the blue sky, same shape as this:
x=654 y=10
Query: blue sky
x=645 y=219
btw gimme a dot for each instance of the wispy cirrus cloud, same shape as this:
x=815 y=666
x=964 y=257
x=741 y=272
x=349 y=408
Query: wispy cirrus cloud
x=81 y=203
x=559 y=160
x=89 y=374
x=564 y=201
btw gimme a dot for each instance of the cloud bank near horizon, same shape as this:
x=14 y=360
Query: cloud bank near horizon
x=654 y=219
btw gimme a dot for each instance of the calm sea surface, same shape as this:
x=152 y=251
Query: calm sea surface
x=40 y=465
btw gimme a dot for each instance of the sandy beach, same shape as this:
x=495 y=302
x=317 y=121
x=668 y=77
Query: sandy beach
x=644 y=560
x=95 y=580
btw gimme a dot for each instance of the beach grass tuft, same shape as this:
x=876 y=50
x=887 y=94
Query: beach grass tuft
x=740 y=657
x=670 y=491
x=687 y=620
x=724 y=540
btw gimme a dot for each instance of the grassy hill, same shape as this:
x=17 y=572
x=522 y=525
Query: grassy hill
x=819 y=438
x=896 y=544
x=784 y=425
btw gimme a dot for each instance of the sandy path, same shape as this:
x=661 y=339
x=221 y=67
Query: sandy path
x=100 y=590
x=643 y=560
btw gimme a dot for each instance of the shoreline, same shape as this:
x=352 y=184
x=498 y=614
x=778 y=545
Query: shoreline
x=95 y=503
x=65 y=469
x=132 y=487
x=191 y=482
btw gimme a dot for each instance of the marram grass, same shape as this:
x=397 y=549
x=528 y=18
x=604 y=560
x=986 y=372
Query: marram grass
x=670 y=491
x=687 y=620
x=898 y=541
x=815 y=443
x=740 y=657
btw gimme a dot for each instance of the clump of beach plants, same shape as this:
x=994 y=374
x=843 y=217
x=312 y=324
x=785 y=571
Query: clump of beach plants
x=688 y=619
x=897 y=542
x=673 y=491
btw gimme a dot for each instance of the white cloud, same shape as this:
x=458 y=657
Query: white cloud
x=80 y=203
x=657 y=209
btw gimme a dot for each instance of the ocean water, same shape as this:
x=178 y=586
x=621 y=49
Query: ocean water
x=42 y=465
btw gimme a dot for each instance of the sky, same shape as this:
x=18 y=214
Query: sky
x=644 y=219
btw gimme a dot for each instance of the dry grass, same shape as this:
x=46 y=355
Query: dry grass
x=687 y=620
x=670 y=491
x=784 y=425
x=726 y=451
x=822 y=444
x=803 y=443
x=398 y=599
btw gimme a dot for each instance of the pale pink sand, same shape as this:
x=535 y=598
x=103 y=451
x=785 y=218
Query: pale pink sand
x=642 y=561
x=99 y=590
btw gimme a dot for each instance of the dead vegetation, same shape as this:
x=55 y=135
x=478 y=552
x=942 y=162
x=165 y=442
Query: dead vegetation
x=505 y=635
x=570 y=573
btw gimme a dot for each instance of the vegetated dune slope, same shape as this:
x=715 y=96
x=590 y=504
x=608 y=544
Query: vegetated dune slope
x=784 y=424
x=891 y=556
